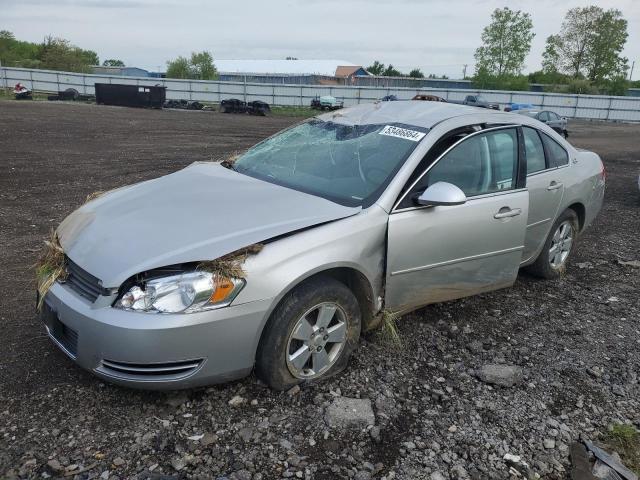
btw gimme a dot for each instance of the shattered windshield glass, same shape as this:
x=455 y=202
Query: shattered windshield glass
x=348 y=164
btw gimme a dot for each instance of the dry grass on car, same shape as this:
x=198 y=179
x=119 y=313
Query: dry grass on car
x=50 y=267
x=388 y=331
x=231 y=265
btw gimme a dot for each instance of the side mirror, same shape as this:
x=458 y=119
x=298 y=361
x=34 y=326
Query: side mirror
x=441 y=193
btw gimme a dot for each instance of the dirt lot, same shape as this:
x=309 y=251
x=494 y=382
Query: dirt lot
x=577 y=339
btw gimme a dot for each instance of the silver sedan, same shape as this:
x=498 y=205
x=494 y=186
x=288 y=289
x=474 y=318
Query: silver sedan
x=277 y=261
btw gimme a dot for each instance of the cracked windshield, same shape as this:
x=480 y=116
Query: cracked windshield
x=348 y=164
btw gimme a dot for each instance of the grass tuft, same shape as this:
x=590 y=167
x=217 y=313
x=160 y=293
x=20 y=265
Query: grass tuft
x=94 y=195
x=50 y=267
x=625 y=439
x=231 y=265
x=389 y=332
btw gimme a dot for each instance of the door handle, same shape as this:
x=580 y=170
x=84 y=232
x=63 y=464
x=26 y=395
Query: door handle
x=506 y=212
x=554 y=185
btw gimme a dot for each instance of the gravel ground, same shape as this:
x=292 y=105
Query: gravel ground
x=523 y=371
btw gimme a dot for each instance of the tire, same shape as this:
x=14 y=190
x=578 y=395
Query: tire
x=544 y=266
x=275 y=359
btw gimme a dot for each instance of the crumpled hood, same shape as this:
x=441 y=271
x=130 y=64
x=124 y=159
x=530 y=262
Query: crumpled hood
x=199 y=213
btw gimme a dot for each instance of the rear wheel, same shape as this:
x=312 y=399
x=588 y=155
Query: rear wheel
x=558 y=247
x=310 y=335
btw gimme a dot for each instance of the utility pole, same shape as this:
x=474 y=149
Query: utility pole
x=633 y=64
x=464 y=71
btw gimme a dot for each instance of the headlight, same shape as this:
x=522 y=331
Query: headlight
x=186 y=293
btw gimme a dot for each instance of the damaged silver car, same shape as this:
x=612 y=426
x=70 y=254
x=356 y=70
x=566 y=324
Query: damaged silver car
x=278 y=261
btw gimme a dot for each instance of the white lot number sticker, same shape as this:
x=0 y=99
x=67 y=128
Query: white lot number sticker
x=405 y=133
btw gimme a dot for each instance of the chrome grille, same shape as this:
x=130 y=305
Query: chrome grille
x=150 y=371
x=82 y=282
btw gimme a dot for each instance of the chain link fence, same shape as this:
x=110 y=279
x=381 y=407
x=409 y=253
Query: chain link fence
x=597 y=107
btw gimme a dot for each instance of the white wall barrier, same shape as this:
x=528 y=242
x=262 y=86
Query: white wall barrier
x=598 y=107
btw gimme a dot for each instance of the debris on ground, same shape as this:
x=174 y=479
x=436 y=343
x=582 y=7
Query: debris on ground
x=184 y=104
x=501 y=375
x=346 y=412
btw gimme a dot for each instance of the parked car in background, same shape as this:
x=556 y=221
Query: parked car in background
x=555 y=121
x=388 y=206
x=389 y=98
x=477 y=101
x=326 y=102
x=428 y=98
x=512 y=107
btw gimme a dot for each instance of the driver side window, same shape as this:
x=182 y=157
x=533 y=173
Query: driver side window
x=484 y=163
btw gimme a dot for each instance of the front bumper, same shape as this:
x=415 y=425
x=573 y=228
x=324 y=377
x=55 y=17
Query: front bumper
x=155 y=351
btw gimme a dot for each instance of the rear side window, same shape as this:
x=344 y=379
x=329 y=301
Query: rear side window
x=558 y=156
x=534 y=150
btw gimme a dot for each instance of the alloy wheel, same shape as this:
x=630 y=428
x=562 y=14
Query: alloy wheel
x=316 y=341
x=561 y=244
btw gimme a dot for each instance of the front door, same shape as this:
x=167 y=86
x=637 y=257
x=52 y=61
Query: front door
x=446 y=252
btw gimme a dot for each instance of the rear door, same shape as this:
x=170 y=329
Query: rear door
x=545 y=185
x=446 y=252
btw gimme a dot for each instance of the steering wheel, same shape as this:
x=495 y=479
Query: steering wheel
x=369 y=174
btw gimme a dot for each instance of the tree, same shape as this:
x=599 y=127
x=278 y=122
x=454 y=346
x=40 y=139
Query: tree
x=506 y=41
x=59 y=54
x=416 y=73
x=605 y=61
x=589 y=45
x=113 y=63
x=390 y=71
x=199 y=67
x=376 y=68
x=178 y=68
x=202 y=66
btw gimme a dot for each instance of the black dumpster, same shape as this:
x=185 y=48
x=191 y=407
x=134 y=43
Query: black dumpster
x=130 y=95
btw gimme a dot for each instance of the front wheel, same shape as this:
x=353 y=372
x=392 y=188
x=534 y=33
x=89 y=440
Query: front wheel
x=310 y=335
x=558 y=247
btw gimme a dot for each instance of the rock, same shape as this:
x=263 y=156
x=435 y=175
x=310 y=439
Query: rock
x=436 y=476
x=475 y=346
x=458 y=472
x=362 y=475
x=54 y=465
x=618 y=390
x=293 y=390
x=501 y=375
x=208 y=439
x=375 y=434
x=237 y=401
x=176 y=400
x=118 y=462
x=549 y=443
x=350 y=412
x=631 y=263
x=286 y=444
x=246 y=434
x=178 y=463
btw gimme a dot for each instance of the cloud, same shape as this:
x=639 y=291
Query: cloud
x=438 y=36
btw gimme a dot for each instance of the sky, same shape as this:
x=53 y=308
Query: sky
x=437 y=36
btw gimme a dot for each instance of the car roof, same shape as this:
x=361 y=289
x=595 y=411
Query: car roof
x=411 y=112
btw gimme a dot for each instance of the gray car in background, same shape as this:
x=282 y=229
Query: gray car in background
x=381 y=207
x=552 y=119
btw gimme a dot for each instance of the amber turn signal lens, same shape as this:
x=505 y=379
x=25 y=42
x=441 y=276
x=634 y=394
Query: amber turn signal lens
x=223 y=289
